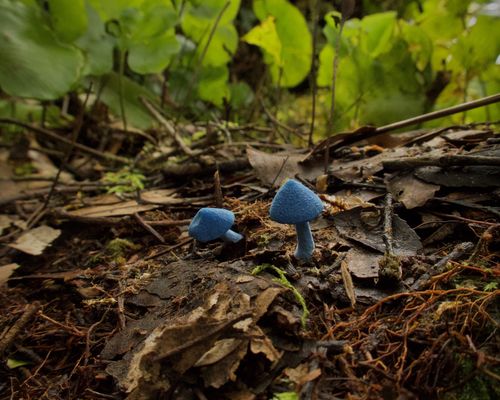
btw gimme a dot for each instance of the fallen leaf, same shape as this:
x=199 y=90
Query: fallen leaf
x=128 y=207
x=410 y=191
x=363 y=226
x=220 y=350
x=362 y=263
x=348 y=285
x=273 y=169
x=36 y=240
x=6 y=271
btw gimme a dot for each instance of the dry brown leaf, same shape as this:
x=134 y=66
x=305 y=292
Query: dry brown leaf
x=348 y=285
x=410 y=191
x=6 y=271
x=36 y=240
x=273 y=169
x=260 y=343
x=128 y=207
x=301 y=374
x=220 y=350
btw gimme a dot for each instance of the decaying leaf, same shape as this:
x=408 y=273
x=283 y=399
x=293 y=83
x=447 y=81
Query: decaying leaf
x=363 y=263
x=273 y=169
x=210 y=341
x=348 y=285
x=36 y=240
x=410 y=191
x=6 y=271
x=362 y=226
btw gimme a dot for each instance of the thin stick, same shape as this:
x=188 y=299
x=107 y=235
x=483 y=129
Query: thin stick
x=149 y=228
x=218 y=190
x=167 y=125
x=347 y=9
x=52 y=135
x=74 y=136
x=13 y=333
x=314 y=87
x=387 y=236
x=495 y=98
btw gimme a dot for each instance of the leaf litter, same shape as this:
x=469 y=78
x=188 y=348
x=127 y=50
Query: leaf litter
x=122 y=314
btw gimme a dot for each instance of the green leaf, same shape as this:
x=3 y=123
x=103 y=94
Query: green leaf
x=419 y=44
x=113 y=9
x=295 y=38
x=135 y=112
x=286 y=396
x=153 y=55
x=13 y=363
x=378 y=30
x=241 y=95
x=33 y=62
x=212 y=85
x=96 y=45
x=198 y=22
x=266 y=37
x=68 y=19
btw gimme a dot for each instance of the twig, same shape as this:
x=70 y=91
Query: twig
x=218 y=190
x=53 y=136
x=13 y=333
x=390 y=271
x=74 y=136
x=169 y=223
x=366 y=132
x=167 y=125
x=458 y=251
x=181 y=170
x=149 y=228
x=442 y=161
x=440 y=113
x=169 y=249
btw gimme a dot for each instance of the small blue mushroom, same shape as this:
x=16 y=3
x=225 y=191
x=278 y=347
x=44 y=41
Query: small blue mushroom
x=296 y=204
x=213 y=223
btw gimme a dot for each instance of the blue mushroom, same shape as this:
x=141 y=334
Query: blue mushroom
x=296 y=204
x=213 y=223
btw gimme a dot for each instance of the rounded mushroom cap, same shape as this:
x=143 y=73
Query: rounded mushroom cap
x=210 y=224
x=294 y=203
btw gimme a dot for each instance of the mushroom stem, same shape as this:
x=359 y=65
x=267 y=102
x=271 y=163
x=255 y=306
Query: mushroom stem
x=231 y=236
x=305 y=241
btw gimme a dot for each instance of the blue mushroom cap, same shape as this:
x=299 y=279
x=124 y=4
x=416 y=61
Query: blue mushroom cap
x=210 y=224
x=294 y=203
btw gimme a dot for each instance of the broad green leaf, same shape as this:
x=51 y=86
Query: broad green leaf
x=96 y=45
x=113 y=9
x=135 y=112
x=286 y=396
x=198 y=23
x=222 y=46
x=33 y=62
x=419 y=44
x=68 y=19
x=295 y=38
x=378 y=29
x=213 y=86
x=153 y=55
x=204 y=13
x=151 y=20
x=241 y=95
x=266 y=37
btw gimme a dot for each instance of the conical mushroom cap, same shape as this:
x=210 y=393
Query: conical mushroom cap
x=294 y=203
x=210 y=224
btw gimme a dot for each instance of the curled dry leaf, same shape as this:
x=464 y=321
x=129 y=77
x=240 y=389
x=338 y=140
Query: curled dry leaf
x=36 y=240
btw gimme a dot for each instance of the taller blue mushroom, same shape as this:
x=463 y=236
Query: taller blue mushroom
x=296 y=204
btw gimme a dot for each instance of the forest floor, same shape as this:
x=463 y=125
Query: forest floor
x=105 y=296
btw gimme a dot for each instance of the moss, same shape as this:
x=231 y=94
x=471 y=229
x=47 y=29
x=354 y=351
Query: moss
x=116 y=248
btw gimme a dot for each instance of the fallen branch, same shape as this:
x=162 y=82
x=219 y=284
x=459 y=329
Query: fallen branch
x=443 y=161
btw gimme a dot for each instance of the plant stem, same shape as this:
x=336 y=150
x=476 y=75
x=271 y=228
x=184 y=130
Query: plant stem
x=120 y=85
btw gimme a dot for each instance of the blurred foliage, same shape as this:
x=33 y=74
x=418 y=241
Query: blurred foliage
x=397 y=59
